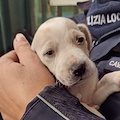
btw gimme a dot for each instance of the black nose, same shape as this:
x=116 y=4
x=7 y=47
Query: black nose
x=79 y=70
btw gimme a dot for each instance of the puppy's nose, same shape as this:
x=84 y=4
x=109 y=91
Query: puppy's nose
x=79 y=70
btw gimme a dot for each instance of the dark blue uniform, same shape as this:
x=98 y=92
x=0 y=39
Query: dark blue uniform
x=103 y=20
x=55 y=103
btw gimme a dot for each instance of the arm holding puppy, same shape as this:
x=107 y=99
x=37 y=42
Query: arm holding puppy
x=22 y=77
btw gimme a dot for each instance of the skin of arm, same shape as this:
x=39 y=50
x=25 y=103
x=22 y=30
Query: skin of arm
x=22 y=77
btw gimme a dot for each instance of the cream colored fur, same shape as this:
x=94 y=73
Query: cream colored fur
x=58 y=43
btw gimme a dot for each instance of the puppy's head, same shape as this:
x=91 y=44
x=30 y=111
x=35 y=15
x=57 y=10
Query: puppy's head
x=64 y=48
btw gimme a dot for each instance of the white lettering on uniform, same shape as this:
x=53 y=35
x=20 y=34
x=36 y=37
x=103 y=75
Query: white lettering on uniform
x=118 y=16
x=114 y=64
x=96 y=20
x=101 y=19
x=113 y=17
x=90 y=20
x=108 y=19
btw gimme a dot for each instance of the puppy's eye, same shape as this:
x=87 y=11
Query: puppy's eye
x=50 y=52
x=80 y=40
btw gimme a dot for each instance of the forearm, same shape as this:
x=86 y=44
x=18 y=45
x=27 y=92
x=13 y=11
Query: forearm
x=22 y=77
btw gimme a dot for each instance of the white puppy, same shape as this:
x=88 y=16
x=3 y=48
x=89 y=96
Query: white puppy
x=64 y=47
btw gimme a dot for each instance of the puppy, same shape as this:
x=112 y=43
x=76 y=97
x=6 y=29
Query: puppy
x=64 y=47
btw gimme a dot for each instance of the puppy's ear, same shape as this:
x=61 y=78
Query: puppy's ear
x=83 y=28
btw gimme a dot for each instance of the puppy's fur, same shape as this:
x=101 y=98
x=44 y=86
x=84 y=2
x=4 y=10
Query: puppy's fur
x=64 y=48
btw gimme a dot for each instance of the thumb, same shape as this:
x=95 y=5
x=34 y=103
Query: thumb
x=23 y=50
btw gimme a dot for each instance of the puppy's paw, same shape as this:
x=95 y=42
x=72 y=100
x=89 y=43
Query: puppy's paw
x=114 y=80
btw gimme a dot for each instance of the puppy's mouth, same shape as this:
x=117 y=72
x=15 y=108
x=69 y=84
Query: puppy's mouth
x=82 y=79
x=78 y=74
x=76 y=81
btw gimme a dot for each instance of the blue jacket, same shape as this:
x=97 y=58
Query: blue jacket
x=55 y=103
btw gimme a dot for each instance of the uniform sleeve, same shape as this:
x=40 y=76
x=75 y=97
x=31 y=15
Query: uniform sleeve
x=55 y=103
x=111 y=107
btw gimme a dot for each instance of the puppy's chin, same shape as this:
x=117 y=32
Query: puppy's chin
x=70 y=80
x=79 y=81
x=74 y=81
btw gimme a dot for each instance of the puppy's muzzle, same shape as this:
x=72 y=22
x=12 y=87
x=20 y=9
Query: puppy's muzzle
x=78 y=70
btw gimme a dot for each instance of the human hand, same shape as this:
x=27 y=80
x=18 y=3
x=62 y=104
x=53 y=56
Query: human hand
x=22 y=77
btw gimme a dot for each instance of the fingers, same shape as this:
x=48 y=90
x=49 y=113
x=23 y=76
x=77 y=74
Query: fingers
x=9 y=57
x=24 y=51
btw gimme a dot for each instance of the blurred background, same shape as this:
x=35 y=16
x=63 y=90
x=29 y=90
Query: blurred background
x=25 y=16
